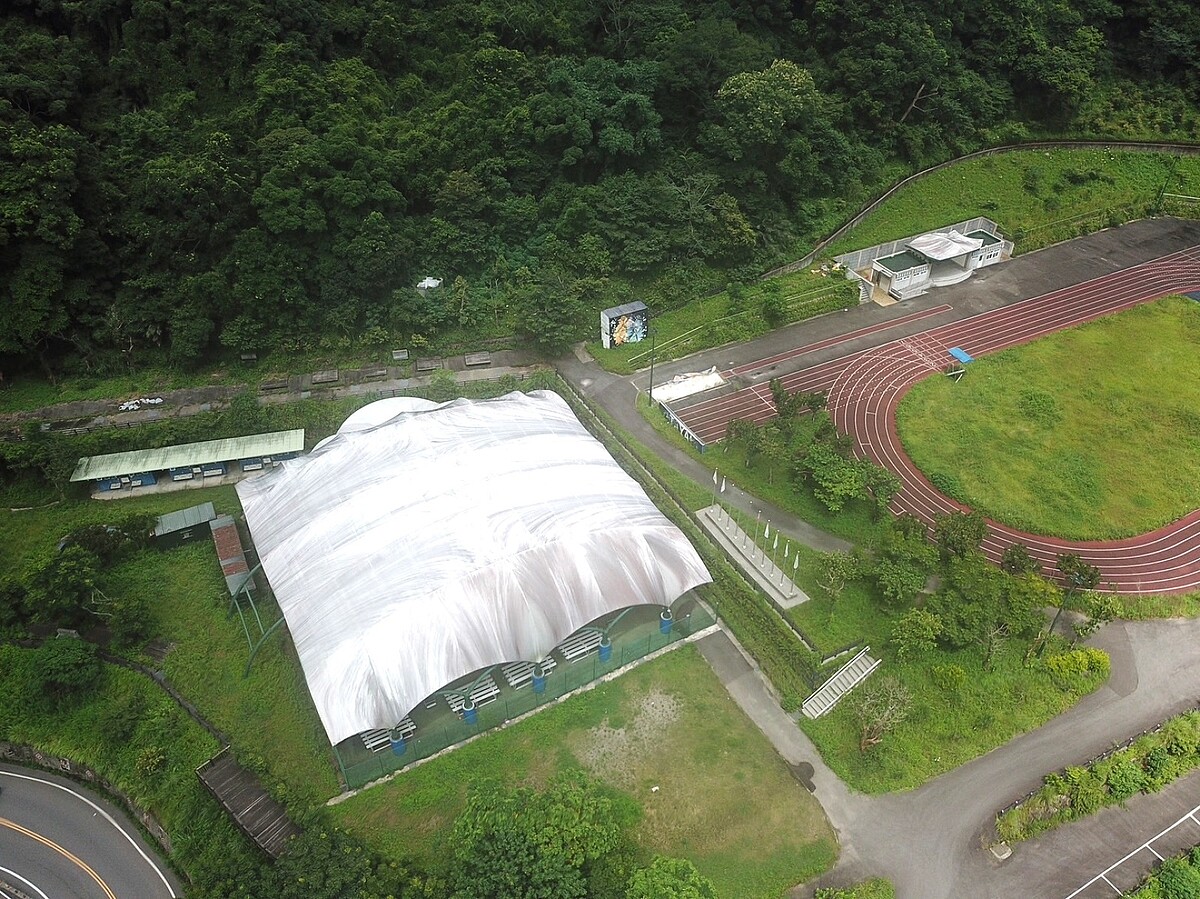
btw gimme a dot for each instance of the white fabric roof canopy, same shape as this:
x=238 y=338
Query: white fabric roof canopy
x=438 y=542
x=941 y=245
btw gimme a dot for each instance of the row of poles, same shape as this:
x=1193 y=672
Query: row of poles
x=758 y=528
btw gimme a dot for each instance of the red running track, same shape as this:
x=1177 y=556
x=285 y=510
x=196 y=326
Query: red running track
x=864 y=389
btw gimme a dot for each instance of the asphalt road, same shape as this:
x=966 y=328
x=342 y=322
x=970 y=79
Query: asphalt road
x=60 y=841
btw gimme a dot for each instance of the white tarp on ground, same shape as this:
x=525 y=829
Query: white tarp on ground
x=687 y=384
x=944 y=245
x=439 y=542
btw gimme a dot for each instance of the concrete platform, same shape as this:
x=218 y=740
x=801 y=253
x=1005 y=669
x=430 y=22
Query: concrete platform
x=756 y=564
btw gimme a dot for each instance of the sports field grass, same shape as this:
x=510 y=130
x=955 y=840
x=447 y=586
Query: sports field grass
x=1089 y=434
x=725 y=800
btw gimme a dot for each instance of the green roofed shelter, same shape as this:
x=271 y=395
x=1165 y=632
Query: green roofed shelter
x=274 y=444
x=176 y=528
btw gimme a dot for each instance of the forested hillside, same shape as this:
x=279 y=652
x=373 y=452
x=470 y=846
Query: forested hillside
x=180 y=178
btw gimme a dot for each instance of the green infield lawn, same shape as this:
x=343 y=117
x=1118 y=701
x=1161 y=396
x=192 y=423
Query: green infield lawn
x=724 y=799
x=1090 y=434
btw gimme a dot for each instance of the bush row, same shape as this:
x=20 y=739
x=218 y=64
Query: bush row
x=1175 y=878
x=1146 y=766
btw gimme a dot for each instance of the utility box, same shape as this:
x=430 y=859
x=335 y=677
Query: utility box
x=624 y=324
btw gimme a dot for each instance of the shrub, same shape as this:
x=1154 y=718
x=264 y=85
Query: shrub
x=1125 y=778
x=1087 y=795
x=1158 y=767
x=67 y=668
x=1181 y=736
x=1069 y=667
x=150 y=760
x=949 y=678
x=1178 y=880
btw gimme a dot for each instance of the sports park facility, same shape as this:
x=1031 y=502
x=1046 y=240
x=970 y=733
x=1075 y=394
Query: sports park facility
x=444 y=568
x=864 y=387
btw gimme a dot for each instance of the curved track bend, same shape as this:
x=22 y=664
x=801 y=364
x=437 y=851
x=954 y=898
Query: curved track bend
x=864 y=389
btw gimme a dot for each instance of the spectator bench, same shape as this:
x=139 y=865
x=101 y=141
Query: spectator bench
x=520 y=674
x=379 y=740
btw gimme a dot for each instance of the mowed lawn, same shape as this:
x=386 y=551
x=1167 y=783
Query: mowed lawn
x=725 y=799
x=1092 y=433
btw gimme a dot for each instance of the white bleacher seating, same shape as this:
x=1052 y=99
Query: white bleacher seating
x=378 y=740
x=518 y=674
x=485 y=691
x=579 y=645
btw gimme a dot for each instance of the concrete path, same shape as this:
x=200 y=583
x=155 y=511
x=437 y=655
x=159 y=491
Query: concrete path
x=931 y=842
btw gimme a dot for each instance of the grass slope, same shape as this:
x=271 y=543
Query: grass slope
x=138 y=739
x=725 y=800
x=269 y=715
x=1037 y=197
x=1089 y=434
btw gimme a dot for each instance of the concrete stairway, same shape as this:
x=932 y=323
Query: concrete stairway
x=846 y=679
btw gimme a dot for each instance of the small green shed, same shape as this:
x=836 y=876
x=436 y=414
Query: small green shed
x=176 y=528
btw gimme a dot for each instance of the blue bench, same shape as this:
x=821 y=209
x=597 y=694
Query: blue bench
x=961 y=355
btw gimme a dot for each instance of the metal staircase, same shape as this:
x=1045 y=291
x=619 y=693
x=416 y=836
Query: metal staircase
x=843 y=681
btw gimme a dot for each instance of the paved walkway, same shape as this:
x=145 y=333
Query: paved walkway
x=618 y=396
x=931 y=842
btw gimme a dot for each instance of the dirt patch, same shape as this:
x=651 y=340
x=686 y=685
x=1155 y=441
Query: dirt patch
x=612 y=753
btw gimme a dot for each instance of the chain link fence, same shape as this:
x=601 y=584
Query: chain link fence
x=360 y=766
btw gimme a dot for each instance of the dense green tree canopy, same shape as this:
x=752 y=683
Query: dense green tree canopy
x=178 y=178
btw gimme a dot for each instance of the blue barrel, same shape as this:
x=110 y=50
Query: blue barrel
x=539 y=680
x=398 y=746
x=605 y=649
x=665 y=620
x=470 y=713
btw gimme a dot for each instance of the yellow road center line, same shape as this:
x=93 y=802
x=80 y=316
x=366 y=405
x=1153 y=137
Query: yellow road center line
x=33 y=835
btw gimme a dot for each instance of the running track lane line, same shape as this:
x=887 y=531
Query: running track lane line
x=1163 y=561
x=1053 y=307
x=841 y=338
x=74 y=859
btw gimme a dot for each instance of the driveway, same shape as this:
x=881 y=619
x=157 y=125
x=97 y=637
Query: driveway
x=929 y=842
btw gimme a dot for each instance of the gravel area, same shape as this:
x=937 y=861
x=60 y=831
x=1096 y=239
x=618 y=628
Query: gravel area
x=612 y=753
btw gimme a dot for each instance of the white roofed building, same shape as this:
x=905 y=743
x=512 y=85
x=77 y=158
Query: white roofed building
x=908 y=268
x=425 y=543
